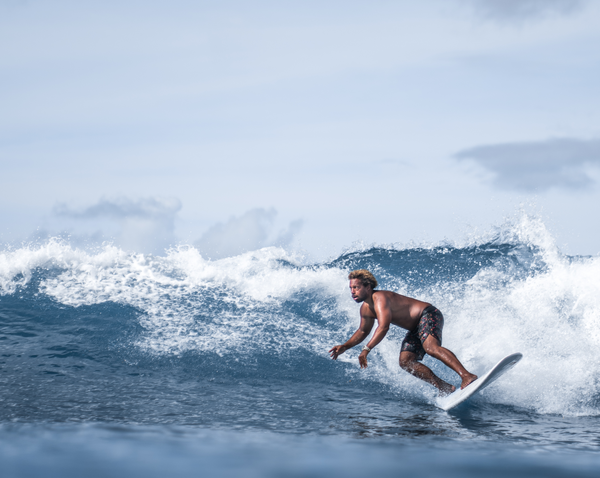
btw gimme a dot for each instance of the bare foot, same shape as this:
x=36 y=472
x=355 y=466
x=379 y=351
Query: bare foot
x=446 y=389
x=469 y=379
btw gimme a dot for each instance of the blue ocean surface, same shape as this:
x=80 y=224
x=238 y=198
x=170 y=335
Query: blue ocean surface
x=115 y=364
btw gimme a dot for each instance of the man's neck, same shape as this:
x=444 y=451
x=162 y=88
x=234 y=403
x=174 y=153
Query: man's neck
x=369 y=300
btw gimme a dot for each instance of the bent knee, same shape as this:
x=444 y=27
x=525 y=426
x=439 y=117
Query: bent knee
x=408 y=363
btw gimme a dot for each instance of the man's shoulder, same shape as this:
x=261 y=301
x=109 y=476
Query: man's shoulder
x=385 y=294
x=366 y=311
x=383 y=298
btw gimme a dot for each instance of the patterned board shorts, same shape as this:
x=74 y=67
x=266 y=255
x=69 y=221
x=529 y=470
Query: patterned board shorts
x=431 y=323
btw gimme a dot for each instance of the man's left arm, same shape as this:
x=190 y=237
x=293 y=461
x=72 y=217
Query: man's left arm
x=384 y=319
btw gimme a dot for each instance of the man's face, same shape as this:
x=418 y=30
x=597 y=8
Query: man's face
x=359 y=291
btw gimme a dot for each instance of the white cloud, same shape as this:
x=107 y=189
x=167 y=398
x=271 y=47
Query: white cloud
x=145 y=225
x=252 y=230
x=538 y=166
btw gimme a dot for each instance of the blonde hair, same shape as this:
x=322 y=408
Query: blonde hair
x=364 y=276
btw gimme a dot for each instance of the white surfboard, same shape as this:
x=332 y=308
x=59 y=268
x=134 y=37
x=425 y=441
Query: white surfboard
x=459 y=396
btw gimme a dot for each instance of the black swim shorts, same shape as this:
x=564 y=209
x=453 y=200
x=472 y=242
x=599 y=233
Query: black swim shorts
x=431 y=323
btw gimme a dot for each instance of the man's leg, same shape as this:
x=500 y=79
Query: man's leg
x=408 y=361
x=432 y=347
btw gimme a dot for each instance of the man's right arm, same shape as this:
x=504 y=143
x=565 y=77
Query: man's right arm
x=363 y=331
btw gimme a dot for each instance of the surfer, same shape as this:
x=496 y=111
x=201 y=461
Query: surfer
x=422 y=320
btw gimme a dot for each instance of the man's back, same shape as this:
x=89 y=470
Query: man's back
x=406 y=312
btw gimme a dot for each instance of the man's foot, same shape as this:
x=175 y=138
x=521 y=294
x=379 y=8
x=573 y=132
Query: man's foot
x=469 y=379
x=446 y=389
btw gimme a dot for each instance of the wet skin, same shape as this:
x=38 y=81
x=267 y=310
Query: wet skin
x=391 y=308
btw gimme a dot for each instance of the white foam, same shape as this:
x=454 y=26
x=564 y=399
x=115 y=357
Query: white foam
x=176 y=294
x=552 y=317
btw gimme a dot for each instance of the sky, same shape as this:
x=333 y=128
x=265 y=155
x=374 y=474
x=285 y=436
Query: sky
x=311 y=125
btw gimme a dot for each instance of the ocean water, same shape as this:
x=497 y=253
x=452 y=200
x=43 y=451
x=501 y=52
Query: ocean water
x=121 y=364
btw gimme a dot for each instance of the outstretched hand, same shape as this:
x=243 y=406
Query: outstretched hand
x=337 y=351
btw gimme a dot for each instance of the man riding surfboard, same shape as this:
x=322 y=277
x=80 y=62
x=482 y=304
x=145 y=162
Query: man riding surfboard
x=422 y=320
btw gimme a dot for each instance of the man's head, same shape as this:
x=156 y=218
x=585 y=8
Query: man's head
x=362 y=284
